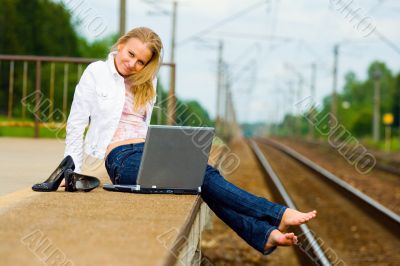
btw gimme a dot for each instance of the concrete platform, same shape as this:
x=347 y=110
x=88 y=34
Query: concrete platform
x=26 y=161
x=96 y=228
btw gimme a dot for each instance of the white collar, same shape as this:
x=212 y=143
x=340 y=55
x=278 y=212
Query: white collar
x=111 y=64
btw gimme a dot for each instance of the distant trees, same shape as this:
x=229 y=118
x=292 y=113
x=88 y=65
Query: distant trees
x=42 y=27
x=188 y=113
x=98 y=48
x=36 y=27
x=355 y=103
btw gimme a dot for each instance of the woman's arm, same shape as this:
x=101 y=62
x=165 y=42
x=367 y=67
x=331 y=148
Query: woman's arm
x=79 y=117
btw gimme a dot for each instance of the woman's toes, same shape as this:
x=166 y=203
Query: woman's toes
x=277 y=238
x=289 y=235
x=287 y=239
x=294 y=217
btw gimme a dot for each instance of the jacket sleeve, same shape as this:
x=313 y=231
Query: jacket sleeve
x=79 y=118
x=150 y=106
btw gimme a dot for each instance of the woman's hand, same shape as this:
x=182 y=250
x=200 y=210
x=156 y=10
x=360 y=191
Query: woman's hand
x=62 y=183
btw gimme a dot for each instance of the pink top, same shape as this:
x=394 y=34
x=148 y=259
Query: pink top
x=132 y=124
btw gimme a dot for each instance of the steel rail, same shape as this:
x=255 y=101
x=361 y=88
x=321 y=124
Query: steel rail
x=379 y=163
x=383 y=215
x=318 y=256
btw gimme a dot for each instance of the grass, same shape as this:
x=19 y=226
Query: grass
x=381 y=145
x=29 y=132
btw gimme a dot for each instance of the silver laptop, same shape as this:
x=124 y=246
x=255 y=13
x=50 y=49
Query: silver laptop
x=174 y=161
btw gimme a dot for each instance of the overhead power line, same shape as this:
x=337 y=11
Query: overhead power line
x=222 y=22
x=157 y=8
x=375 y=31
x=252 y=37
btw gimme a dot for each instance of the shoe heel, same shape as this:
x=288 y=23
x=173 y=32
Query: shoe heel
x=54 y=181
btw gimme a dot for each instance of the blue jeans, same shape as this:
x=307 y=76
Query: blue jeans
x=252 y=218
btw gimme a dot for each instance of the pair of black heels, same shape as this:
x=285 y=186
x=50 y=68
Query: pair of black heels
x=73 y=181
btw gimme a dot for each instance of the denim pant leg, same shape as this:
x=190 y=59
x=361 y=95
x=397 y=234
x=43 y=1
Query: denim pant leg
x=227 y=195
x=123 y=162
x=113 y=162
x=129 y=169
x=255 y=232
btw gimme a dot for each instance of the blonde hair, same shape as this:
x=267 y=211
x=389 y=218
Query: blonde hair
x=142 y=85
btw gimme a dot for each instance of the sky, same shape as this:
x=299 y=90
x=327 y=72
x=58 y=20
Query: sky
x=268 y=46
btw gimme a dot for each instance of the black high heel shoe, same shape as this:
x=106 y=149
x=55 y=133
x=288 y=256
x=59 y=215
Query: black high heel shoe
x=79 y=182
x=53 y=182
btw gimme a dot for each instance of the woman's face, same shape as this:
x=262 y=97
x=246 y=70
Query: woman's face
x=132 y=56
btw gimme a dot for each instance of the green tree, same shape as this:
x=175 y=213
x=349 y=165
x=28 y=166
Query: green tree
x=98 y=48
x=188 y=113
x=36 y=27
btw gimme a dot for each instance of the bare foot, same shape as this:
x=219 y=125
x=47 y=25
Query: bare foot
x=293 y=217
x=277 y=238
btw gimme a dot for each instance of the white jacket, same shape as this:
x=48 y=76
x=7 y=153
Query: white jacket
x=100 y=95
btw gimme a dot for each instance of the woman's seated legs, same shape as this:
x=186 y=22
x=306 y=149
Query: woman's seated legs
x=224 y=193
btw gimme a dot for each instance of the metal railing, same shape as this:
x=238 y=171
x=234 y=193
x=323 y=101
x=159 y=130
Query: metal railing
x=43 y=108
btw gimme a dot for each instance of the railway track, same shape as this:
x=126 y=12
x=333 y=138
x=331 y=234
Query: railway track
x=351 y=228
x=382 y=186
x=380 y=163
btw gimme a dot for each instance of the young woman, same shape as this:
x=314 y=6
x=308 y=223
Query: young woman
x=118 y=95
